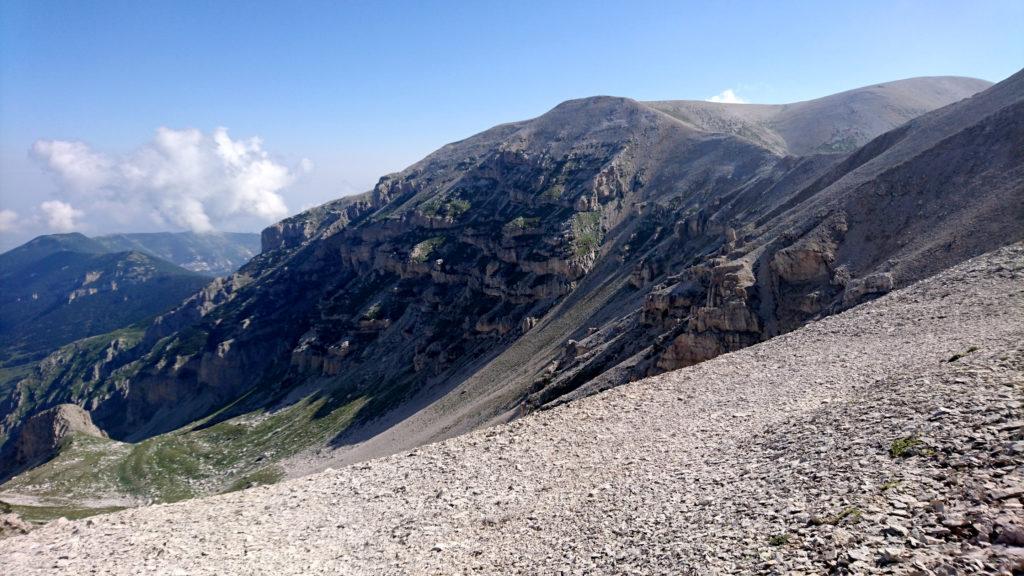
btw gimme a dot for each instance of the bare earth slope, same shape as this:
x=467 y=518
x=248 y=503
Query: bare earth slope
x=836 y=123
x=884 y=439
x=605 y=241
x=910 y=203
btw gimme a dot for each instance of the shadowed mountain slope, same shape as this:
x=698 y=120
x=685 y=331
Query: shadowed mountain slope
x=544 y=260
x=44 y=278
x=877 y=441
x=58 y=289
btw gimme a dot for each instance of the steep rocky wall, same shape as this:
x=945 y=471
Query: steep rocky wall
x=608 y=240
x=736 y=273
x=42 y=434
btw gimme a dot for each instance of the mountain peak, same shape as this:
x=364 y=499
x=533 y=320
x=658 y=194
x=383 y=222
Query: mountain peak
x=536 y=263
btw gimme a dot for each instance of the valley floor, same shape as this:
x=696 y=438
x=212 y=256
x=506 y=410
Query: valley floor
x=886 y=439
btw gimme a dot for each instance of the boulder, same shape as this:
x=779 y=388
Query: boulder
x=803 y=264
x=12 y=525
x=875 y=284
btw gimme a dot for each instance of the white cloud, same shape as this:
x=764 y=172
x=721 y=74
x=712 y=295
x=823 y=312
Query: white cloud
x=60 y=216
x=8 y=220
x=183 y=177
x=81 y=168
x=727 y=96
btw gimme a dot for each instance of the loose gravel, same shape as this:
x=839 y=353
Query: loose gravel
x=888 y=439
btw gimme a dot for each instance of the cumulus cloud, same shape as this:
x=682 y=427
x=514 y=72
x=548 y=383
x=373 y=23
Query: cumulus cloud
x=182 y=177
x=727 y=96
x=8 y=220
x=60 y=216
x=81 y=168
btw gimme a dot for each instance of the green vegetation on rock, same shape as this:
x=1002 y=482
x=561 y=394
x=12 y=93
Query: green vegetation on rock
x=520 y=223
x=904 y=447
x=960 y=355
x=445 y=207
x=586 y=232
x=554 y=192
x=75 y=373
x=421 y=252
x=225 y=456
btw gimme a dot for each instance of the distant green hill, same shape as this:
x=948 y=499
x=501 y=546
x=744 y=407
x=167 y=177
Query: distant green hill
x=58 y=289
x=216 y=254
x=42 y=246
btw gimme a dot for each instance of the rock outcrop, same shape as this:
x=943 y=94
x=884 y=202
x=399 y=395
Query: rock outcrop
x=871 y=442
x=602 y=242
x=43 y=433
x=12 y=525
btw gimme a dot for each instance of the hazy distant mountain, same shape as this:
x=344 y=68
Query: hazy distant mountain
x=40 y=247
x=128 y=277
x=60 y=288
x=837 y=123
x=216 y=254
x=543 y=260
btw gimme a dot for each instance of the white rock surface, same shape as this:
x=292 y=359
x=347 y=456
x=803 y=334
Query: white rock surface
x=775 y=459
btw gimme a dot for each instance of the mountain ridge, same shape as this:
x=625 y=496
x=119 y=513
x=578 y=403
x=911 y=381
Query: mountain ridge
x=791 y=456
x=784 y=127
x=544 y=260
x=214 y=254
x=66 y=295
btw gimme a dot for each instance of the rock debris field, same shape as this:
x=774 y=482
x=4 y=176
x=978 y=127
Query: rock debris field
x=888 y=439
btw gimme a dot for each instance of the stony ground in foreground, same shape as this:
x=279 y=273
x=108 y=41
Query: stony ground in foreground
x=889 y=439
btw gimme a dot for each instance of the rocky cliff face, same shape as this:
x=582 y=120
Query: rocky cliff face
x=884 y=440
x=601 y=242
x=84 y=373
x=893 y=211
x=41 y=435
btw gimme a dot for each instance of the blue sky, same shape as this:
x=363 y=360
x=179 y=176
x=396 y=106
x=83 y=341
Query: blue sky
x=340 y=93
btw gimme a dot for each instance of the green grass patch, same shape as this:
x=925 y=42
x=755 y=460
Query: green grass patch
x=891 y=484
x=83 y=465
x=189 y=342
x=778 y=539
x=904 y=447
x=373 y=312
x=554 y=192
x=445 y=207
x=263 y=476
x=10 y=375
x=848 y=515
x=457 y=207
x=229 y=455
x=44 y=514
x=520 y=223
x=586 y=232
x=421 y=252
